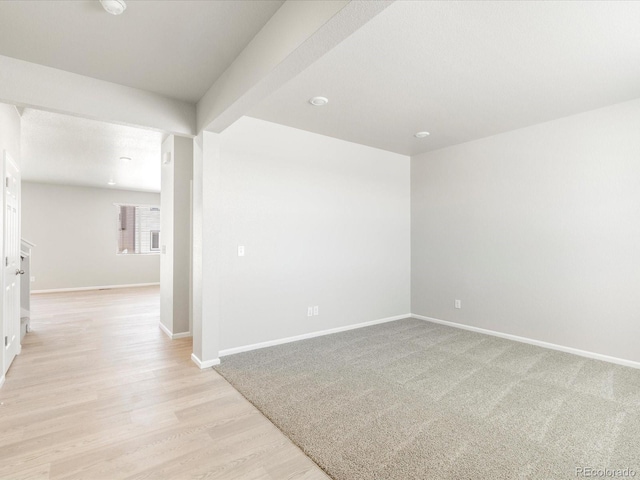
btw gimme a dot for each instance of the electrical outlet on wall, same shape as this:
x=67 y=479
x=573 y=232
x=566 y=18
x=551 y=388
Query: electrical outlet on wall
x=33 y=279
x=309 y=311
x=458 y=303
x=315 y=310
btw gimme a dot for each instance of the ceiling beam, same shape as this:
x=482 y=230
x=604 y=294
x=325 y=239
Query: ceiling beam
x=297 y=35
x=28 y=84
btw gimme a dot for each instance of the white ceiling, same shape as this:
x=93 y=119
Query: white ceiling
x=67 y=150
x=465 y=70
x=174 y=48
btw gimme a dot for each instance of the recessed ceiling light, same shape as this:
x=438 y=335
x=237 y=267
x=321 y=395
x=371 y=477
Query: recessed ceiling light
x=114 y=7
x=125 y=159
x=422 y=134
x=318 y=101
x=111 y=182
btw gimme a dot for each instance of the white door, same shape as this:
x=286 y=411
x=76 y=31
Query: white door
x=11 y=254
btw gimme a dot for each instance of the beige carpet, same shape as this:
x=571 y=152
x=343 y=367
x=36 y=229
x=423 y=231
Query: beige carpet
x=415 y=400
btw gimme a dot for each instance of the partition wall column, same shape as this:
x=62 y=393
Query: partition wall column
x=175 y=236
x=206 y=249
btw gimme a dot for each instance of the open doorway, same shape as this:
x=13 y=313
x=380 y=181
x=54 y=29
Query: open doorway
x=92 y=217
x=91 y=207
x=87 y=187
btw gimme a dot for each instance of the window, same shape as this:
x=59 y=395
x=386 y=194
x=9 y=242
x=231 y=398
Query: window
x=155 y=240
x=138 y=229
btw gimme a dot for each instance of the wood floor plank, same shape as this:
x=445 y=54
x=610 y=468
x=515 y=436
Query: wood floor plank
x=100 y=392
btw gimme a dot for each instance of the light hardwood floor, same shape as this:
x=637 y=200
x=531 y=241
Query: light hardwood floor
x=99 y=392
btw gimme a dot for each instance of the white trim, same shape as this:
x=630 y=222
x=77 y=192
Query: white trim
x=165 y=330
x=271 y=343
x=2 y=381
x=182 y=335
x=207 y=364
x=173 y=336
x=104 y=287
x=22 y=240
x=144 y=205
x=530 y=341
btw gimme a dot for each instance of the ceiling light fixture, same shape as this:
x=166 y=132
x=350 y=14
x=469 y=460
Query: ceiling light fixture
x=111 y=182
x=114 y=7
x=318 y=101
x=422 y=134
x=125 y=159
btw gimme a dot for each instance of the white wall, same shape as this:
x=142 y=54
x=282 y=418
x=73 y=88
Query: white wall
x=324 y=222
x=9 y=141
x=46 y=88
x=537 y=231
x=75 y=232
x=183 y=175
x=166 y=239
x=10 y=131
x=206 y=251
x=175 y=267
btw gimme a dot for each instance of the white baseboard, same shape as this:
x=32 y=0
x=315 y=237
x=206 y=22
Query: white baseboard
x=173 y=336
x=181 y=335
x=165 y=330
x=207 y=364
x=271 y=343
x=530 y=341
x=104 y=287
x=1 y=381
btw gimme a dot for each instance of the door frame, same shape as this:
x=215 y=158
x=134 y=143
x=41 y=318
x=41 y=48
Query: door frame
x=6 y=161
